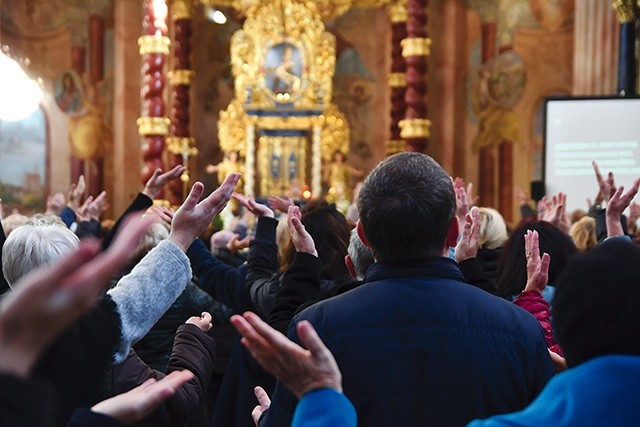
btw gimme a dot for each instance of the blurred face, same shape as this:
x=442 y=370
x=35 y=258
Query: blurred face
x=67 y=82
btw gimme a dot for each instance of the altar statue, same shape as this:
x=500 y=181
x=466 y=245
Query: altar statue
x=337 y=175
x=230 y=164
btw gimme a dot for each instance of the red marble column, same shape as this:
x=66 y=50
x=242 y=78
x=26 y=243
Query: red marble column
x=180 y=141
x=154 y=48
x=487 y=159
x=505 y=171
x=397 y=78
x=415 y=128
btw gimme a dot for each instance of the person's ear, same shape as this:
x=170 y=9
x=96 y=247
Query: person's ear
x=452 y=233
x=350 y=266
x=361 y=235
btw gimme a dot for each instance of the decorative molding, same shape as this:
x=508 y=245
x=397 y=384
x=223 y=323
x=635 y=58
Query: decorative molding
x=181 y=77
x=416 y=46
x=153 y=125
x=394 y=146
x=397 y=80
x=415 y=128
x=398 y=11
x=181 y=9
x=154 y=45
x=625 y=10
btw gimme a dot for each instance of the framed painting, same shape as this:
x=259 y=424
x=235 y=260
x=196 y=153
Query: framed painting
x=283 y=71
x=24 y=166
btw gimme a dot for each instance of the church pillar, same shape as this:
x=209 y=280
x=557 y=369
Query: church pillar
x=627 y=49
x=127 y=84
x=154 y=48
x=415 y=127
x=488 y=165
x=397 y=78
x=78 y=58
x=596 y=44
x=94 y=168
x=180 y=142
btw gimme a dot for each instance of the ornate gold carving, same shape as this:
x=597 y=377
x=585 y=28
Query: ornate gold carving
x=397 y=79
x=398 y=11
x=153 y=125
x=181 y=9
x=416 y=46
x=154 y=44
x=414 y=128
x=181 y=77
x=394 y=146
x=181 y=146
x=625 y=9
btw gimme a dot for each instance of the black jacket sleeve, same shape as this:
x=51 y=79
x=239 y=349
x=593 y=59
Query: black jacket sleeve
x=26 y=402
x=300 y=283
x=140 y=203
x=263 y=264
x=4 y=286
x=223 y=282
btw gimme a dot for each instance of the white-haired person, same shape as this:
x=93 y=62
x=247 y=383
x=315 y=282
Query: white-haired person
x=77 y=362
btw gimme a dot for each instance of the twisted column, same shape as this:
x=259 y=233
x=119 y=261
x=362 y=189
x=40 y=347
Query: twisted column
x=397 y=78
x=415 y=127
x=180 y=142
x=153 y=126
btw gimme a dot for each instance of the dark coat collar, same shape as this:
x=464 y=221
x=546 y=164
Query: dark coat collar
x=437 y=267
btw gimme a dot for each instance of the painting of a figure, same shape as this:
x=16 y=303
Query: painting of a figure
x=23 y=158
x=283 y=69
x=68 y=92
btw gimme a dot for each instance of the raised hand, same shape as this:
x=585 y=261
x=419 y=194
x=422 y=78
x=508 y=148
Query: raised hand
x=137 y=403
x=97 y=206
x=192 y=218
x=608 y=186
x=467 y=246
x=204 y=321
x=617 y=204
x=234 y=244
x=299 y=369
x=46 y=301
x=55 y=203
x=159 y=180
x=537 y=267
x=280 y=203
x=263 y=404
x=634 y=215
x=76 y=194
x=302 y=240
x=255 y=208
x=554 y=211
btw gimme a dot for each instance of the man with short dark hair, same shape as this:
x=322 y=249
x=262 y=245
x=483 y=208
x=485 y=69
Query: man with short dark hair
x=416 y=345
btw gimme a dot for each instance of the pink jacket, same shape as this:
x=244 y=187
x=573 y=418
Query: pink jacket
x=533 y=302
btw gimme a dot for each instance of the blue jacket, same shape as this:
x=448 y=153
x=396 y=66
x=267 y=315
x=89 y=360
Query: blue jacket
x=418 y=346
x=601 y=392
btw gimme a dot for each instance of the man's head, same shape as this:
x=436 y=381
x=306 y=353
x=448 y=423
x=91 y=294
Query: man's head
x=359 y=257
x=31 y=246
x=406 y=207
x=596 y=307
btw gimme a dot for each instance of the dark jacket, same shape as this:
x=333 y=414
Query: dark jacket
x=418 y=346
x=194 y=350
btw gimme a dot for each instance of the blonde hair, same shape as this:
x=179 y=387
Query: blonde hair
x=12 y=222
x=493 y=229
x=583 y=233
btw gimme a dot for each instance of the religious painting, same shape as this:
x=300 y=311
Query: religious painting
x=283 y=69
x=68 y=93
x=23 y=163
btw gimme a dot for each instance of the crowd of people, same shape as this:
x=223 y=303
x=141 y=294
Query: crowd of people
x=418 y=308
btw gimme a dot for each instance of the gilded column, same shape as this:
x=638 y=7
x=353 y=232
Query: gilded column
x=625 y=10
x=415 y=127
x=180 y=143
x=397 y=78
x=153 y=126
